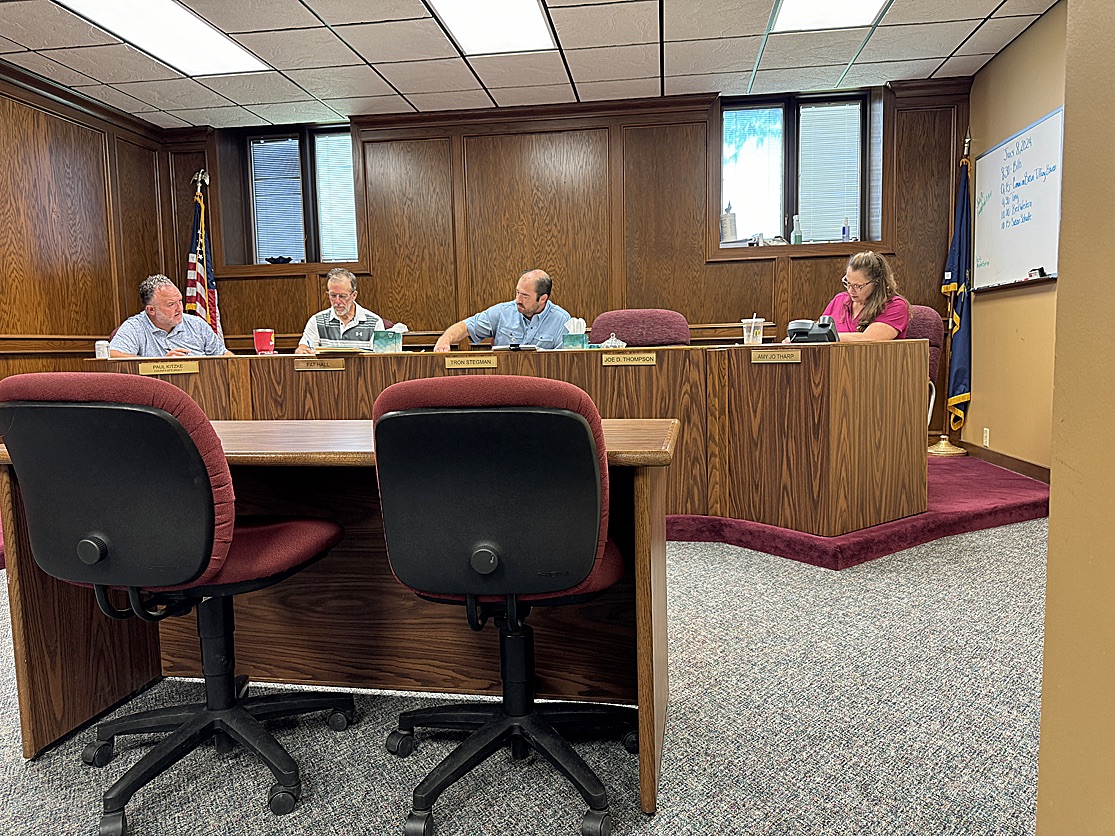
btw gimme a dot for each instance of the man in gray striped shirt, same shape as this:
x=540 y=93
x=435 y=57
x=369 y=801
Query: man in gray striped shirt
x=344 y=319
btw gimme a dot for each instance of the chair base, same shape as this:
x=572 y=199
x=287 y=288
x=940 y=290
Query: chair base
x=228 y=717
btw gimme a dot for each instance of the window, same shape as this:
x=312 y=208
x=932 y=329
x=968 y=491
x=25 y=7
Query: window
x=299 y=182
x=794 y=156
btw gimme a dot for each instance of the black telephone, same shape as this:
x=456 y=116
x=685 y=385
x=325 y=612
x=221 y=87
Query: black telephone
x=808 y=331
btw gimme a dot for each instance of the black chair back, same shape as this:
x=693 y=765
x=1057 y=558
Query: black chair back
x=115 y=494
x=489 y=500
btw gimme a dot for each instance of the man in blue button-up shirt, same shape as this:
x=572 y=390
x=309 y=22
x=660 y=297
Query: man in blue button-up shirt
x=530 y=319
x=160 y=329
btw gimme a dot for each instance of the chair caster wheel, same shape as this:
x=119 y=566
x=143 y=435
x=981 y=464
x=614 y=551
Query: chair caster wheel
x=631 y=742
x=401 y=743
x=596 y=823
x=282 y=799
x=420 y=824
x=113 y=824
x=339 y=720
x=98 y=753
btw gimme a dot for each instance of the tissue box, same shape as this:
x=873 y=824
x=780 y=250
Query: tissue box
x=387 y=341
x=574 y=341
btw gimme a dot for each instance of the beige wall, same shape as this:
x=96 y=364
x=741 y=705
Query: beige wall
x=1012 y=329
x=1076 y=774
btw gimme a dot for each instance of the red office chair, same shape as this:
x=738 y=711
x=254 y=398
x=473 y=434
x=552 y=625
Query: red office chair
x=642 y=327
x=926 y=324
x=539 y=447
x=125 y=486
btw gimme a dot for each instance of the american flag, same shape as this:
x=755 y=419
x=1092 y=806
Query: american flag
x=201 y=284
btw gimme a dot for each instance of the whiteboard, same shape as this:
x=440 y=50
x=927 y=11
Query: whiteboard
x=1018 y=205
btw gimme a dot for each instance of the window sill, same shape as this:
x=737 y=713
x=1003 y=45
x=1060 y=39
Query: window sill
x=739 y=251
x=294 y=268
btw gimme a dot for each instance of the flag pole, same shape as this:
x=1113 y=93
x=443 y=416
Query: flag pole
x=944 y=446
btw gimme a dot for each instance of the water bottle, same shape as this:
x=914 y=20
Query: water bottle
x=795 y=235
x=845 y=231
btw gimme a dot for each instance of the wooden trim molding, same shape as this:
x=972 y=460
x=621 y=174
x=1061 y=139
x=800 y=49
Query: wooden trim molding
x=1025 y=468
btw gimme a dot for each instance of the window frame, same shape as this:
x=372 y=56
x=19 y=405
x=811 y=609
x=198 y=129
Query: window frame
x=874 y=122
x=306 y=136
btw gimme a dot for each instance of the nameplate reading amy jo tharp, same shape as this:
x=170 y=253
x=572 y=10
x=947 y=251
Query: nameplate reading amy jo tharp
x=468 y=361
x=319 y=364
x=169 y=367
x=629 y=358
x=776 y=355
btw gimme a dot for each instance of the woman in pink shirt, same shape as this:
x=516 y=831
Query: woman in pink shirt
x=870 y=308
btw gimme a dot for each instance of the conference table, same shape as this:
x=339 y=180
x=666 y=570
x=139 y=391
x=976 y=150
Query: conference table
x=345 y=621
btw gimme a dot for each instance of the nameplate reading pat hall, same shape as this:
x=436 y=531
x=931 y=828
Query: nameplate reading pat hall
x=169 y=367
x=320 y=364
x=629 y=358
x=468 y=361
x=776 y=355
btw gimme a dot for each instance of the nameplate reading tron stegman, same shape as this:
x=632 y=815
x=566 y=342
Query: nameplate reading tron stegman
x=320 y=364
x=629 y=358
x=776 y=355
x=468 y=361
x=169 y=367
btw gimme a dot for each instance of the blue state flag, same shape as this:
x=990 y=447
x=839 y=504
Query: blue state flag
x=957 y=285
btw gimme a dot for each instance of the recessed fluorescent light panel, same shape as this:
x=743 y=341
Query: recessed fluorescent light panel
x=490 y=27
x=171 y=33
x=803 y=15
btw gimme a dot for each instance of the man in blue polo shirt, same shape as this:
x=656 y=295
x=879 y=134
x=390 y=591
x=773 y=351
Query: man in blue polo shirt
x=160 y=329
x=530 y=319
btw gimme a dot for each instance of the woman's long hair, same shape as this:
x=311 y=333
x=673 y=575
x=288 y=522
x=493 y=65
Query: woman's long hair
x=883 y=289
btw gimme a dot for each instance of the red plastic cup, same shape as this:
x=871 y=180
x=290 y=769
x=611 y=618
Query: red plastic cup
x=265 y=340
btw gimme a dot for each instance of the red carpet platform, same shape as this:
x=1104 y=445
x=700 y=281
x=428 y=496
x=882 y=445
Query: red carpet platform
x=964 y=494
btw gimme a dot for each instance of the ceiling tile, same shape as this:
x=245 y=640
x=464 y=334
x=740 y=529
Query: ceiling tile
x=796 y=80
x=459 y=100
x=614 y=24
x=613 y=63
x=308 y=48
x=173 y=94
x=690 y=20
x=112 y=63
x=811 y=49
x=524 y=69
x=869 y=75
x=254 y=15
x=345 y=11
x=1025 y=7
x=444 y=74
x=927 y=40
x=256 y=88
x=362 y=105
x=221 y=117
x=546 y=94
x=295 y=113
x=358 y=81
x=9 y=46
x=995 y=34
x=728 y=84
x=927 y=11
x=164 y=120
x=47 y=68
x=112 y=96
x=731 y=55
x=399 y=41
x=960 y=65
x=631 y=88
x=39 y=24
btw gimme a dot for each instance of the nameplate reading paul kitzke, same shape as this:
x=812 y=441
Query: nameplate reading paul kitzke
x=776 y=355
x=169 y=367
x=468 y=361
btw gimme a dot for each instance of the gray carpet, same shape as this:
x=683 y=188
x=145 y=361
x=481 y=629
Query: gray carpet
x=896 y=697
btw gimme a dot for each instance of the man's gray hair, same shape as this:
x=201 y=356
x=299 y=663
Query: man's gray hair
x=338 y=273
x=149 y=285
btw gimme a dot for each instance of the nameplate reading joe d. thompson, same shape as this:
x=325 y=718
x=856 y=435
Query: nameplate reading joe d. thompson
x=776 y=355
x=320 y=364
x=632 y=358
x=169 y=367
x=468 y=361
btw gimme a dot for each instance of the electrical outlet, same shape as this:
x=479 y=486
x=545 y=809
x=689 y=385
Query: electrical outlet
x=986 y=436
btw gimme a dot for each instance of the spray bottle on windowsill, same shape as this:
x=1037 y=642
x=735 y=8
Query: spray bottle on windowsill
x=845 y=231
x=795 y=233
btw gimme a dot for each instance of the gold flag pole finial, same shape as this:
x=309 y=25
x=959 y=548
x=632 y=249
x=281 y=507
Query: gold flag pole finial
x=201 y=178
x=967 y=143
